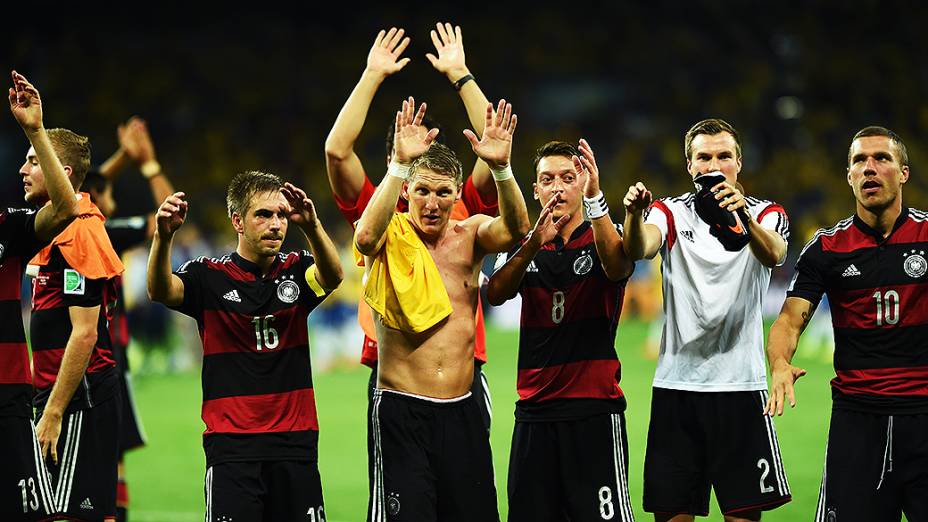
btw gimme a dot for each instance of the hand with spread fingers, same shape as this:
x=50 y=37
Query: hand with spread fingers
x=495 y=146
x=410 y=139
x=546 y=228
x=586 y=166
x=384 y=57
x=171 y=214
x=637 y=199
x=449 y=44
x=25 y=103
x=302 y=210
x=783 y=377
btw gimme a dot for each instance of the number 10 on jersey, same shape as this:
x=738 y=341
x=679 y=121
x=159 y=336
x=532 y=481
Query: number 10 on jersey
x=265 y=335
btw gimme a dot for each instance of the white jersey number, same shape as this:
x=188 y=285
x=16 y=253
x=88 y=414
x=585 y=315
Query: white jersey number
x=266 y=336
x=313 y=514
x=29 y=504
x=557 y=307
x=887 y=307
x=605 y=503
x=764 y=468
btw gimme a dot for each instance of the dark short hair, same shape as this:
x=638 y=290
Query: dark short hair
x=427 y=122
x=876 y=130
x=94 y=181
x=73 y=150
x=710 y=127
x=440 y=159
x=245 y=185
x=554 y=148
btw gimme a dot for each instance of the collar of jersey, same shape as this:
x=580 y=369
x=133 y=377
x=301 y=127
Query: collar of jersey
x=559 y=243
x=878 y=236
x=252 y=268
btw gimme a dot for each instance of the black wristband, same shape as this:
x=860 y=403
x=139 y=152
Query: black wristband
x=460 y=83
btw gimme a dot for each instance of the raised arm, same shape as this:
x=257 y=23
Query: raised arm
x=164 y=286
x=640 y=240
x=505 y=281
x=26 y=106
x=495 y=148
x=328 y=271
x=781 y=346
x=449 y=46
x=410 y=143
x=135 y=139
x=609 y=247
x=346 y=175
x=766 y=245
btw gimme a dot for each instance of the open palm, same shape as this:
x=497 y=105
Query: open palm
x=495 y=146
x=25 y=103
x=409 y=138
x=384 y=57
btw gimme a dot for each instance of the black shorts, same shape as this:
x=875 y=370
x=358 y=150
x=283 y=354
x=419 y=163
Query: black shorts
x=85 y=476
x=480 y=389
x=876 y=468
x=570 y=470
x=720 y=440
x=26 y=492
x=131 y=434
x=264 y=491
x=431 y=460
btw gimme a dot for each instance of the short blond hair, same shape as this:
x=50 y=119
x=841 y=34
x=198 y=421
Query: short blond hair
x=73 y=150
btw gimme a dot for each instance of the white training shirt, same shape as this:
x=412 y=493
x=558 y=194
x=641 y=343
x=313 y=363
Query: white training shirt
x=713 y=335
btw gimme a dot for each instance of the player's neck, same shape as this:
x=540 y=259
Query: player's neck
x=882 y=219
x=263 y=262
x=575 y=221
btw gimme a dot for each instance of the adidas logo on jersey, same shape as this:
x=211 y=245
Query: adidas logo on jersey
x=688 y=234
x=232 y=296
x=86 y=504
x=531 y=267
x=851 y=271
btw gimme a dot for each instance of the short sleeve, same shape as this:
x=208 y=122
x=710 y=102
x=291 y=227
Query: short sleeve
x=774 y=218
x=352 y=210
x=474 y=203
x=316 y=293
x=25 y=243
x=193 y=274
x=809 y=278
x=78 y=290
x=657 y=216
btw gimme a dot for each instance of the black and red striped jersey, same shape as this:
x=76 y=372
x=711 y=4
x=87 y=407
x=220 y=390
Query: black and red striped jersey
x=18 y=243
x=258 y=399
x=878 y=293
x=568 y=366
x=55 y=289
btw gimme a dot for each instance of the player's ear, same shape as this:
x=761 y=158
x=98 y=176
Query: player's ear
x=237 y=223
x=535 y=191
x=849 y=177
x=405 y=192
x=905 y=174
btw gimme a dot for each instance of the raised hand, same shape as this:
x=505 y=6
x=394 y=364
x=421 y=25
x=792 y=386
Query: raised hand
x=546 y=229
x=783 y=377
x=495 y=146
x=135 y=141
x=449 y=44
x=171 y=214
x=384 y=57
x=586 y=164
x=410 y=139
x=25 y=103
x=637 y=199
x=302 y=211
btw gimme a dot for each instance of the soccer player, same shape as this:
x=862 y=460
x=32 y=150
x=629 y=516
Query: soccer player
x=26 y=491
x=135 y=145
x=569 y=448
x=251 y=306
x=872 y=266
x=431 y=450
x=707 y=425
x=76 y=386
x=353 y=189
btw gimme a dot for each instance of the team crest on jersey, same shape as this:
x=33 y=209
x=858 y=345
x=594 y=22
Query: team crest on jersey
x=393 y=504
x=915 y=264
x=584 y=263
x=287 y=291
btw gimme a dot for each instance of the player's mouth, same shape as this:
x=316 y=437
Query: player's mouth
x=273 y=239
x=870 y=187
x=431 y=219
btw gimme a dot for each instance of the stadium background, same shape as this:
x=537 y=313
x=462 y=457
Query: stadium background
x=246 y=90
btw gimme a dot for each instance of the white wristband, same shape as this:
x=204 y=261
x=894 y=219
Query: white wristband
x=502 y=174
x=398 y=170
x=596 y=206
x=150 y=169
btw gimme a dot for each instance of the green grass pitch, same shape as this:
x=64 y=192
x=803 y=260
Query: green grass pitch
x=166 y=477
